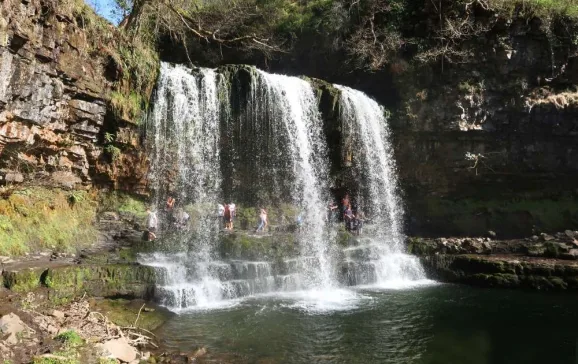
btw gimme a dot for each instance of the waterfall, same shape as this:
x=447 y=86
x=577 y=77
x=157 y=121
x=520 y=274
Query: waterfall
x=198 y=149
x=364 y=120
x=244 y=135
x=291 y=101
x=184 y=154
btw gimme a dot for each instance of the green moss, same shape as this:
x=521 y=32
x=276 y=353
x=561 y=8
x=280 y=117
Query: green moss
x=122 y=202
x=70 y=338
x=39 y=218
x=25 y=280
x=128 y=107
x=243 y=245
x=67 y=283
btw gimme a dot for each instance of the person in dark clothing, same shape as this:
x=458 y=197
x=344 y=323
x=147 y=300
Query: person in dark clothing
x=349 y=218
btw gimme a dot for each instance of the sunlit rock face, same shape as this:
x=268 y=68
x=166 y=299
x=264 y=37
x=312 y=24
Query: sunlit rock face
x=54 y=104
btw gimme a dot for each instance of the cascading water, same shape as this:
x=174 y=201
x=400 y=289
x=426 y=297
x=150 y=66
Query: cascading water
x=244 y=134
x=380 y=259
x=184 y=152
x=192 y=111
x=292 y=102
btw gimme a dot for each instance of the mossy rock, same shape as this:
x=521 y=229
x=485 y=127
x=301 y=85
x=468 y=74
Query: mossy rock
x=244 y=245
x=127 y=280
x=24 y=280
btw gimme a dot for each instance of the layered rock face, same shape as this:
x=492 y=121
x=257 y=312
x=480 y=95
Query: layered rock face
x=55 y=88
x=546 y=262
x=491 y=144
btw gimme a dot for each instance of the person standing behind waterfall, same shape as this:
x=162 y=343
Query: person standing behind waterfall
x=152 y=224
x=349 y=218
x=262 y=221
x=233 y=210
x=228 y=220
x=345 y=203
x=221 y=214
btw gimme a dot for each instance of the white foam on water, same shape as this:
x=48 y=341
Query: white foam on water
x=323 y=301
x=397 y=285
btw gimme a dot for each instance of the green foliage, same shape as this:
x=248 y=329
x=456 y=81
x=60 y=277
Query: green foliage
x=68 y=356
x=121 y=202
x=39 y=218
x=109 y=138
x=541 y=8
x=113 y=151
x=128 y=107
x=70 y=338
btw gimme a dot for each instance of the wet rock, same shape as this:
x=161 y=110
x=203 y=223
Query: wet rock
x=546 y=237
x=119 y=349
x=198 y=353
x=14 y=177
x=571 y=254
x=109 y=215
x=11 y=326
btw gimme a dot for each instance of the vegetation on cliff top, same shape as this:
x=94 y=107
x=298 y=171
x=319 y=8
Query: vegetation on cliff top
x=372 y=33
x=132 y=60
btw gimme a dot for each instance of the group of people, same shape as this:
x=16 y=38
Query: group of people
x=227 y=213
x=176 y=218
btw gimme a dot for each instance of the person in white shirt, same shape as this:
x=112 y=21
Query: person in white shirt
x=152 y=224
x=221 y=213
x=262 y=220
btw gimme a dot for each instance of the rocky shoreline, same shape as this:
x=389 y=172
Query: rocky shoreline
x=103 y=295
x=544 y=262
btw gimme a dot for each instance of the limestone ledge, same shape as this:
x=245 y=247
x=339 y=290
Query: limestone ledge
x=545 y=262
x=503 y=271
x=66 y=282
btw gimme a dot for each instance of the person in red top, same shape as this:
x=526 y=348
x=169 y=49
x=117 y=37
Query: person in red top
x=228 y=219
x=170 y=203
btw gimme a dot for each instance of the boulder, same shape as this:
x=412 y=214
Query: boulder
x=10 y=326
x=14 y=177
x=119 y=349
x=57 y=314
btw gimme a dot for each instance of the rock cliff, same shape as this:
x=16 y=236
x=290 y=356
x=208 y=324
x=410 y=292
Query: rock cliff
x=55 y=92
x=485 y=141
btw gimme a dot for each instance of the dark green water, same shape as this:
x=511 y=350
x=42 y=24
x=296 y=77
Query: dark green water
x=432 y=324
